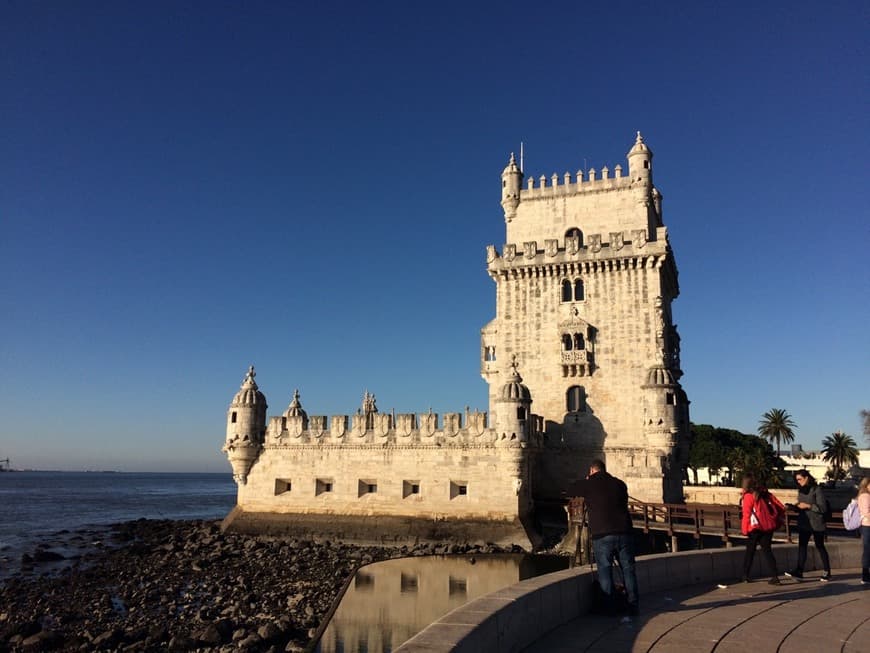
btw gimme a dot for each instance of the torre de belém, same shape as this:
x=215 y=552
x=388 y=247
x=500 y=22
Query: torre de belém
x=582 y=361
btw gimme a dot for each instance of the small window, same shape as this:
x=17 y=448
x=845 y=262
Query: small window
x=671 y=399
x=458 y=489
x=521 y=413
x=579 y=343
x=367 y=486
x=567 y=342
x=576 y=399
x=646 y=164
x=233 y=418
x=323 y=486
x=489 y=353
x=574 y=232
x=282 y=486
x=410 y=488
x=579 y=292
x=566 y=291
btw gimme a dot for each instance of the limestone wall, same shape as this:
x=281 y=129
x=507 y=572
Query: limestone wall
x=483 y=480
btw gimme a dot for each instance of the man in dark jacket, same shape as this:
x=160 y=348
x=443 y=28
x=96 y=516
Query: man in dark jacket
x=610 y=528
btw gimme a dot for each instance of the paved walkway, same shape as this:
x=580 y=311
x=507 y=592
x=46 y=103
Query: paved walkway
x=795 y=617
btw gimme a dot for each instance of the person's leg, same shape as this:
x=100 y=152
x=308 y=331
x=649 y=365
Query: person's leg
x=625 y=551
x=766 y=539
x=751 y=543
x=602 y=547
x=803 y=542
x=865 y=556
x=819 y=541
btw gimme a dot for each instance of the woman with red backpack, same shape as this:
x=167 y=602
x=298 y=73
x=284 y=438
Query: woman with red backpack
x=759 y=521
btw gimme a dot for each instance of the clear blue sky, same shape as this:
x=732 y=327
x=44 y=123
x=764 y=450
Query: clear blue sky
x=190 y=187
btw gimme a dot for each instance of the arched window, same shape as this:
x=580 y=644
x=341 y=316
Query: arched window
x=567 y=295
x=578 y=290
x=567 y=343
x=579 y=342
x=575 y=399
x=574 y=232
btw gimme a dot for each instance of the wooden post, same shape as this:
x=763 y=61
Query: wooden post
x=674 y=543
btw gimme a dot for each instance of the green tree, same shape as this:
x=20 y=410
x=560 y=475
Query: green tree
x=840 y=449
x=718 y=448
x=777 y=426
x=755 y=455
x=706 y=451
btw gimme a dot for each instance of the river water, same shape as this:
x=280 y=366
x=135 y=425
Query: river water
x=389 y=602
x=36 y=506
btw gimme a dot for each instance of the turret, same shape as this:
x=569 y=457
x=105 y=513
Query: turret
x=511 y=182
x=246 y=426
x=640 y=162
x=513 y=408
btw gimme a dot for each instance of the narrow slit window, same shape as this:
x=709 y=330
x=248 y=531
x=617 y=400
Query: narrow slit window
x=579 y=291
x=576 y=399
x=233 y=418
x=566 y=291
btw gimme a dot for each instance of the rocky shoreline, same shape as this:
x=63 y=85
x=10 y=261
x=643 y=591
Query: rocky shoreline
x=182 y=586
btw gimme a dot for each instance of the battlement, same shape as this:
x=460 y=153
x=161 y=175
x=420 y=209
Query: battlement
x=388 y=429
x=589 y=181
x=619 y=244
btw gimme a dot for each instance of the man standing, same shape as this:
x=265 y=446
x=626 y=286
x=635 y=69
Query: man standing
x=610 y=529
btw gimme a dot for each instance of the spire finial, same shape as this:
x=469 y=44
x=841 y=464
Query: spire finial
x=639 y=137
x=514 y=365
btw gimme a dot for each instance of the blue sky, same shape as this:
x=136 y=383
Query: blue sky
x=190 y=187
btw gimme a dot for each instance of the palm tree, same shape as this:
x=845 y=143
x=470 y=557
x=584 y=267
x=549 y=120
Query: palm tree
x=865 y=417
x=839 y=449
x=777 y=426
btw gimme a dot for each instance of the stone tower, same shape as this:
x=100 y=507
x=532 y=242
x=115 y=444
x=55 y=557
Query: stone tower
x=246 y=427
x=584 y=288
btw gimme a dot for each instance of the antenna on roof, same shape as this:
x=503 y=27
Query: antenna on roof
x=521 y=156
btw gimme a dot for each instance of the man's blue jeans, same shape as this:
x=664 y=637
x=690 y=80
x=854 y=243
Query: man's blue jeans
x=621 y=547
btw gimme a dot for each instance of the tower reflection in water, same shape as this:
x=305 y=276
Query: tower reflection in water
x=389 y=602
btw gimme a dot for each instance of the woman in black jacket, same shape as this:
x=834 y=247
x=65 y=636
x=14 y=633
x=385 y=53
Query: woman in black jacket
x=811 y=507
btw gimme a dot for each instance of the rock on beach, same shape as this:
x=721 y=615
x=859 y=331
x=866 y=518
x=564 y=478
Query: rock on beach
x=159 y=585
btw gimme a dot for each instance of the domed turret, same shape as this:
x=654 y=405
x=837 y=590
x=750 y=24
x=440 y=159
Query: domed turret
x=295 y=407
x=513 y=407
x=246 y=426
x=640 y=161
x=511 y=183
x=295 y=417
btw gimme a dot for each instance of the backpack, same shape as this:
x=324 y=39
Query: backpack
x=852 y=516
x=769 y=512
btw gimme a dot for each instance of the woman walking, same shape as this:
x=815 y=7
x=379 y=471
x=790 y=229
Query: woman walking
x=864 y=508
x=753 y=492
x=811 y=507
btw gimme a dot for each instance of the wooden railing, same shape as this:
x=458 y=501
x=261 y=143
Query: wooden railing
x=694 y=519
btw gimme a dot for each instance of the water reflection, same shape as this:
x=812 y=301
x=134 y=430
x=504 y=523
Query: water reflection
x=389 y=602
